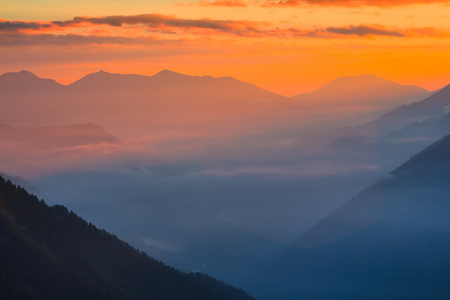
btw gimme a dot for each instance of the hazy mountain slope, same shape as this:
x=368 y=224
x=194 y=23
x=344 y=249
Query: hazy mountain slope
x=394 y=147
x=377 y=134
x=426 y=130
x=360 y=98
x=434 y=106
x=390 y=241
x=50 y=253
x=389 y=151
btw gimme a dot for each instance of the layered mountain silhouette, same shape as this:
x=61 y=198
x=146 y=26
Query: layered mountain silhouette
x=51 y=253
x=389 y=151
x=359 y=99
x=388 y=242
x=128 y=103
x=436 y=105
x=427 y=130
x=394 y=136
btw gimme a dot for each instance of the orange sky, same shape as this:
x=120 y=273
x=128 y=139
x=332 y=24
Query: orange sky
x=285 y=46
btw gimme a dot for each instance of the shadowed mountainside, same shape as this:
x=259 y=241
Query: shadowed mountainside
x=51 y=253
x=390 y=241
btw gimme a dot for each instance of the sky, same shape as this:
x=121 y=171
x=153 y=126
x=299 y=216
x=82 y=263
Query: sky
x=285 y=46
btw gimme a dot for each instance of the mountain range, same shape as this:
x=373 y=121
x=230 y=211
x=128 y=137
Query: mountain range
x=135 y=104
x=124 y=104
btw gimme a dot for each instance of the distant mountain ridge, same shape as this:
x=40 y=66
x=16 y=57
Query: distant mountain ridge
x=163 y=100
x=366 y=82
x=360 y=98
x=51 y=253
x=33 y=82
x=395 y=122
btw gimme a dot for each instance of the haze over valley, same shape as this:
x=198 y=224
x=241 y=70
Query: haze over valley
x=219 y=176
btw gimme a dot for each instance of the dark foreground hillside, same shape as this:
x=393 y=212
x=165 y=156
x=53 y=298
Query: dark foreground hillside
x=51 y=253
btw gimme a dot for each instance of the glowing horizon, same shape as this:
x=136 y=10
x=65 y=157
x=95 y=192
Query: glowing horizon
x=288 y=47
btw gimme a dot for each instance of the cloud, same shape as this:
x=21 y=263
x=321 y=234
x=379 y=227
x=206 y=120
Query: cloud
x=363 y=30
x=220 y=3
x=157 y=28
x=152 y=21
x=243 y=28
x=20 y=25
x=379 y=3
x=426 y=32
x=23 y=39
x=236 y=27
x=155 y=20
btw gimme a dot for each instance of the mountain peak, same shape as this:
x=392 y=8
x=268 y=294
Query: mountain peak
x=362 y=77
x=363 y=80
x=168 y=75
x=100 y=73
x=23 y=75
x=99 y=78
x=26 y=80
x=166 y=72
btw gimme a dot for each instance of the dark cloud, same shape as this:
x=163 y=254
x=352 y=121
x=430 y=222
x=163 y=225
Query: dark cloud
x=19 y=25
x=363 y=30
x=241 y=28
x=236 y=27
x=154 y=20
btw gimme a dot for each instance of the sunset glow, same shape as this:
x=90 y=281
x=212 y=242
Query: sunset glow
x=283 y=46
